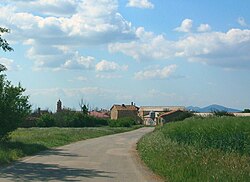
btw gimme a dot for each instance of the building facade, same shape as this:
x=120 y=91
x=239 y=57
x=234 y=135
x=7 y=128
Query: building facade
x=122 y=111
x=144 y=112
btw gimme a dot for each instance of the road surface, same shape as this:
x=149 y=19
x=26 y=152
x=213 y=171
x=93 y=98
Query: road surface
x=108 y=158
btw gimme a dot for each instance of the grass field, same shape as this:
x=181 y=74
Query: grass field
x=29 y=141
x=196 y=149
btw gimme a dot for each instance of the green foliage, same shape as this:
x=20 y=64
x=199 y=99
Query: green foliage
x=246 y=111
x=64 y=119
x=224 y=133
x=200 y=149
x=222 y=113
x=122 y=122
x=14 y=107
x=46 y=120
x=180 y=116
x=84 y=107
x=3 y=43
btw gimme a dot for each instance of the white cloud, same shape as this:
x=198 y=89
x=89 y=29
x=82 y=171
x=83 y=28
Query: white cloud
x=148 y=46
x=204 y=28
x=186 y=26
x=46 y=7
x=108 y=76
x=107 y=66
x=140 y=4
x=9 y=64
x=79 y=62
x=160 y=73
x=70 y=24
x=242 y=21
x=81 y=78
x=227 y=50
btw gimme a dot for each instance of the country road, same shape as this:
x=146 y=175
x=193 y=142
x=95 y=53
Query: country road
x=108 y=158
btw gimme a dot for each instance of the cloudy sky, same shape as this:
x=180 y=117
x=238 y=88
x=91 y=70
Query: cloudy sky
x=151 y=52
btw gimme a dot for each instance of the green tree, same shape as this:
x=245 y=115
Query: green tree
x=3 y=43
x=14 y=107
x=84 y=107
x=246 y=111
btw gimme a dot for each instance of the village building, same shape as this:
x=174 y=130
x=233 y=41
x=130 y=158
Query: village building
x=169 y=116
x=122 y=111
x=150 y=114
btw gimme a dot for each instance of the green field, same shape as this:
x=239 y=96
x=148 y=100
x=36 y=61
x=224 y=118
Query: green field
x=200 y=149
x=32 y=140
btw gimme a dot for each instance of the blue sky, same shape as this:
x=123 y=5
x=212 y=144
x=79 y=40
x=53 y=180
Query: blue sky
x=108 y=52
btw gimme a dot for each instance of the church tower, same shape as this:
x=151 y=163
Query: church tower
x=59 y=106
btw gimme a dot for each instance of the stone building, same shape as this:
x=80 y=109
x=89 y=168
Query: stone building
x=122 y=111
x=144 y=112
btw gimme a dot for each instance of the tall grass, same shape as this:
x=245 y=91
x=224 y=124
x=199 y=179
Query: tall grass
x=210 y=149
x=224 y=133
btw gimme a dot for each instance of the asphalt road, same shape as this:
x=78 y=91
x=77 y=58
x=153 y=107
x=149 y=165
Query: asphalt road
x=108 y=158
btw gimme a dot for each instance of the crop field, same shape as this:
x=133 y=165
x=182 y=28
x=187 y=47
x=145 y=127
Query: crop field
x=200 y=149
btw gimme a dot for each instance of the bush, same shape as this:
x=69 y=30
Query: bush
x=182 y=115
x=122 y=122
x=46 y=120
x=77 y=119
x=14 y=107
x=64 y=119
x=222 y=113
x=246 y=111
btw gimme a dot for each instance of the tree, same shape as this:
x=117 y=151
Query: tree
x=14 y=107
x=3 y=43
x=246 y=111
x=84 y=107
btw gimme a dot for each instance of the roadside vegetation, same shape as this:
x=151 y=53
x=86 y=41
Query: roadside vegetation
x=70 y=118
x=200 y=149
x=28 y=141
x=14 y=106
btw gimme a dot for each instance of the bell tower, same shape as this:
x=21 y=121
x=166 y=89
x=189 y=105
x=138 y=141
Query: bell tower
x=59 y=106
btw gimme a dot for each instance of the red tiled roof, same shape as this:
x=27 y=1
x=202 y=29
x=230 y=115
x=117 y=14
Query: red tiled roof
x=99 y=114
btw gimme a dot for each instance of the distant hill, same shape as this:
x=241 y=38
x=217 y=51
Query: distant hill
x=212 y=108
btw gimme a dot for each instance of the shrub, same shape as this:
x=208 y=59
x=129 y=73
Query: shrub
x=246 y=111
x=182 y=115
x=77 y=119
x=122 y=122
x=14 y=107
x=46 y=120
x=222 y=113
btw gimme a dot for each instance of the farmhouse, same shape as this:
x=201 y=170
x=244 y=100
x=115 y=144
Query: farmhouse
x=121 y=111
x=146 y=112
x=168 y=116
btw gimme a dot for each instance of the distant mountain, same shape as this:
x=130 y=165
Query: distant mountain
x=212 y=108
x=192 y=108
